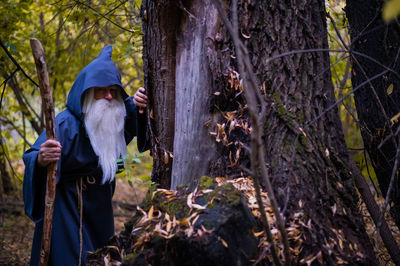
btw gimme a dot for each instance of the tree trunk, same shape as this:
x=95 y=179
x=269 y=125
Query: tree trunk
x=303 y=140
x=159 y=47
x=5 y=176
x=376 y=90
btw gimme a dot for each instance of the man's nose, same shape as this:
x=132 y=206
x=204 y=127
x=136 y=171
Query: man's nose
x=108 y=95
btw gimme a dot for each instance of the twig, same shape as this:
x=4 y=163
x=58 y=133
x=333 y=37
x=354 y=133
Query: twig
x=98 y=13
x=373 y=209
x=5 y=85
x=391 y=70
x=389 y=191
x=9 y=162
x=22 y=135
x=16 y=64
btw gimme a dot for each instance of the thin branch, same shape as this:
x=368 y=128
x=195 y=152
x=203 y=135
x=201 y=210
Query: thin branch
x=373 y=209
x=9 y=162
x=378 y=100
x=389 y=191
x=5 y=85
x=98 y=13
x=369 y=174
x=16 y=64
x=337 y=31
x=391 y=70
x=344 y=96
x=22 y=135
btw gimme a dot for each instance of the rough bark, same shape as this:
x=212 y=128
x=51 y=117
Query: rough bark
x=304 y=144
x=159 y=48
x=48 y=107
x=376 y=104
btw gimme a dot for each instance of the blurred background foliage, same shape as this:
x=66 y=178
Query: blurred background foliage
x=339 y=42
x=73 y=33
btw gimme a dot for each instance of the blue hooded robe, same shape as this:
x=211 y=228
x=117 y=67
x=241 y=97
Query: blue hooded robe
x=78 y=163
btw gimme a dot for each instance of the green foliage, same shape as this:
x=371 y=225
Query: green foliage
x=72 y=34
x=391 y=10
x=138 y=166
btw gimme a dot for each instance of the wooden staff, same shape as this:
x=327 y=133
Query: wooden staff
x=48 y=107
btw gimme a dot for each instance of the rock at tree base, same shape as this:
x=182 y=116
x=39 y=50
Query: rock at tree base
x=211 y=225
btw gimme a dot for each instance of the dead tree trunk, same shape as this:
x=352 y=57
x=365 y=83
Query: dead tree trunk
x=376 y=79
x=186 y=43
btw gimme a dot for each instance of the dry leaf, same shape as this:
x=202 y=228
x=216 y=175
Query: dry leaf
x=166 y=157
x=150 y=215
x=223 y=242
x=395 y=119
x=246 y=36
x=390 y=89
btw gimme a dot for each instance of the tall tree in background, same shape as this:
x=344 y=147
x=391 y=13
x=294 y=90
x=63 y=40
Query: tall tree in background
x=375 y=73
x=199 y=118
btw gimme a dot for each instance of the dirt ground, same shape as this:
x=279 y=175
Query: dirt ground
x=16 y=229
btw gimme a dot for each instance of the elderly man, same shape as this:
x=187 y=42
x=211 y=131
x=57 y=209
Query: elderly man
x=92 y=134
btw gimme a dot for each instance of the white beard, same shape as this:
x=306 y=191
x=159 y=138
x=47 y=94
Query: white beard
x=104 y=122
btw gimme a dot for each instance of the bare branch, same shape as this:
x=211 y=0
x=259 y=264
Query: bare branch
x=16 y=64
x=104 y=16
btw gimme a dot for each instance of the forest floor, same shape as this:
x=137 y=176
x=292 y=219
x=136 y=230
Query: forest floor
x=16 y=229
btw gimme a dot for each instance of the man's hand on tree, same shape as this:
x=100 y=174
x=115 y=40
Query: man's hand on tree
x=50 y=151
x=140 y=99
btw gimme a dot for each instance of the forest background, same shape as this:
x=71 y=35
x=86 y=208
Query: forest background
x=73 y=33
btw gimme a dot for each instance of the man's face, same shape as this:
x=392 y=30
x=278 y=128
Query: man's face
x=107 y=93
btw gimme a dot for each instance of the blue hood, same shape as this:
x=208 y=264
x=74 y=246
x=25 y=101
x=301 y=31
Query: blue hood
x=101 y=72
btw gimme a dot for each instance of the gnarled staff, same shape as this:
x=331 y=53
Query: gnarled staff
x=48 y=107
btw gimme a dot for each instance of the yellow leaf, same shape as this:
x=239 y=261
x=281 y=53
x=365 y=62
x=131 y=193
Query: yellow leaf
x=390 y=89
x=223 y=242
x=391 y=10
x=258 y=233
x=184 y=222
x=395 y=119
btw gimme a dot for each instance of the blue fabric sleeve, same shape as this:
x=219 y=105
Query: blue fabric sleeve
x=135 y=125
x=35 y=177
x=34 y=185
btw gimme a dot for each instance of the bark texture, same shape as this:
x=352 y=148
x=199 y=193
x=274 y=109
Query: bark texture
x=160 y=23
x=376 y=104
x=303 y=140
x=48 y=107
